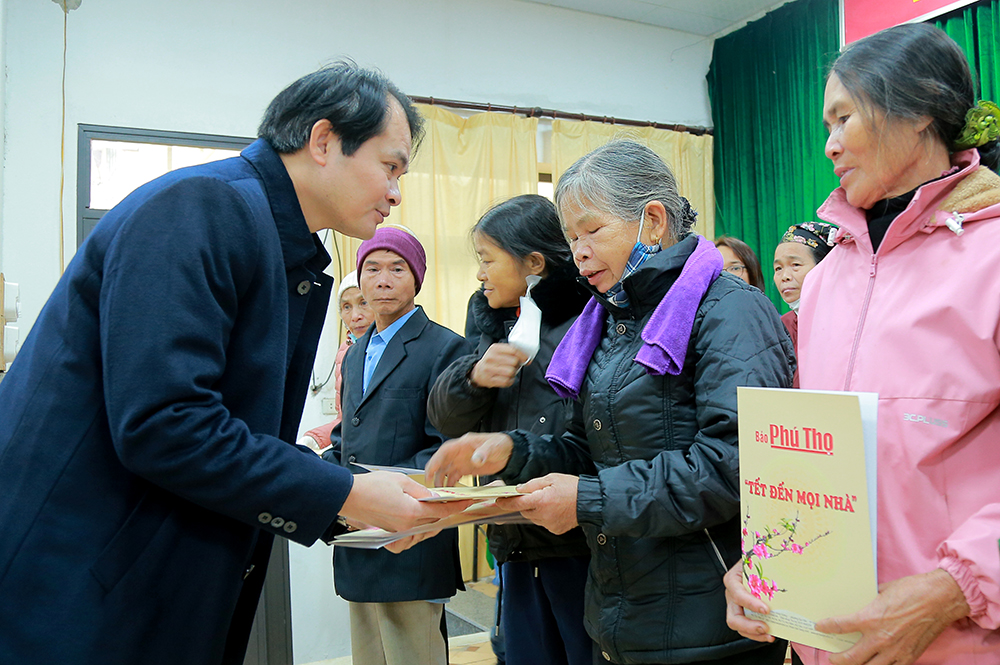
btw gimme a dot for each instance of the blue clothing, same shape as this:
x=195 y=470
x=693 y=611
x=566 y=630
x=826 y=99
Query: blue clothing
x=377 y=344
x=542 y=612
x=146 y=426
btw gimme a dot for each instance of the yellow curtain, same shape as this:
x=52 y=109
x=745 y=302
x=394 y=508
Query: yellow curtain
x=687 y=155
x=463 y=166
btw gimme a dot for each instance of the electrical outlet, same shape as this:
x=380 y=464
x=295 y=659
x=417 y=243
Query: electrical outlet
x=329 y=406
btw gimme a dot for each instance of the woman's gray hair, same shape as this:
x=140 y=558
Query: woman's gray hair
x=620 y=178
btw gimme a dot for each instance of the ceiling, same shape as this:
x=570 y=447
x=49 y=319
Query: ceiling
x=709 y=18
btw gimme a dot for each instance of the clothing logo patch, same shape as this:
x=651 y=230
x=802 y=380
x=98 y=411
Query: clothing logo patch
x=914 y=418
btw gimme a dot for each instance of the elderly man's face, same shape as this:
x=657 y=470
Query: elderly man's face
x=388 y=285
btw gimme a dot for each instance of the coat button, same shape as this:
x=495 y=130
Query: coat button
x=355 y=421
x=621 y=328
x=304 y=287
x=602 y=539
x=290 y=527
x=277 y=522
x=606 y=656
x=264 y=518
x=542 y=419
x=597 y=425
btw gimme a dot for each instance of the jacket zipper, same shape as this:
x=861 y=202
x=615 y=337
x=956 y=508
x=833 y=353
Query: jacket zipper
x=716 y=548
x=861 y=321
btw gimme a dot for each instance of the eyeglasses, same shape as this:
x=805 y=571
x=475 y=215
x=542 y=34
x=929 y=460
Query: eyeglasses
x=736 y=269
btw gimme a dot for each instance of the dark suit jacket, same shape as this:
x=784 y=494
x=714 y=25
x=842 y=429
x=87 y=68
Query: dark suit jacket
x=144 y=425
x=389 y=426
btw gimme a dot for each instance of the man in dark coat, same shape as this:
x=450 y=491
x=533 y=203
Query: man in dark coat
x=145 y=427
x=388 y=375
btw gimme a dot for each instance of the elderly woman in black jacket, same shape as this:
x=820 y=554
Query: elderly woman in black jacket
x=541 y=595
x=649 y=465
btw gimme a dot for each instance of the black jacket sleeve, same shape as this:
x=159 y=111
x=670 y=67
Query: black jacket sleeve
x=455 y=406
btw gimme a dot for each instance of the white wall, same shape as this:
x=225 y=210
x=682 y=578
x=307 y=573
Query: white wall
x=212 y=67
x=3 y=106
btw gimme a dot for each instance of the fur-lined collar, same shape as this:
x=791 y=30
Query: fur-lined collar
x=558 y=296
x=979 y=189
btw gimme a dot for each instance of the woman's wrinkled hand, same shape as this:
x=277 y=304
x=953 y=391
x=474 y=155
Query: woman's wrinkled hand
x=498 y=367
x=550 y=502
x=898 y=626
x=738 y=598
x=475 y=453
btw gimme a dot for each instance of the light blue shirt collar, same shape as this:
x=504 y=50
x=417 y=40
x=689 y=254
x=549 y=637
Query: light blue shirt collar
x=377 y=344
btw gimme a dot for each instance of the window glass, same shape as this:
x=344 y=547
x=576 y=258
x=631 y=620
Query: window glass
x=118 y=167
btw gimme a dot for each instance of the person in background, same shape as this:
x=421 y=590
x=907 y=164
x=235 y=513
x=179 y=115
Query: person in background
x=740 y=260
x=906 y=306
x=357 y=317
x=541 y=596
x=387 y=376
x=648 y=466
x=171 y=365
x=801 y=248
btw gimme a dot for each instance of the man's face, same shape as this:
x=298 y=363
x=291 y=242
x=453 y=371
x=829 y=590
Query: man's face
x=357 y=192
x=388 y=285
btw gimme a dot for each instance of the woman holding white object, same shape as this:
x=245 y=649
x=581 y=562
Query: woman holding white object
x=543 y=575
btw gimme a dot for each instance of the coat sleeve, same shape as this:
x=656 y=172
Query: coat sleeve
x=535 y=455
x=165 y=351
x=455 y=406
x=970 y=556
x=740 y=341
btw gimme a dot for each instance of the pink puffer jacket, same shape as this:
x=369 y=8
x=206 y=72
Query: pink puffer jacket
x=919 y=323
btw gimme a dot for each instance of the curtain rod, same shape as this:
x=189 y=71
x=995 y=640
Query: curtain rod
x=551 y=113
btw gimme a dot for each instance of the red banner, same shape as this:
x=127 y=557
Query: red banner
x=860 y=18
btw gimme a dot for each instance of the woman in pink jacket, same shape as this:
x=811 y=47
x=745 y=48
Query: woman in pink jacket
x=908 y=305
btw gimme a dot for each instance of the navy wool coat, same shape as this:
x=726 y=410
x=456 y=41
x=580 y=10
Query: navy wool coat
x=144 y=427
x=388 y=426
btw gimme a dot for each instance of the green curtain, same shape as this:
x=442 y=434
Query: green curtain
x=976 y=28
x=766 y=86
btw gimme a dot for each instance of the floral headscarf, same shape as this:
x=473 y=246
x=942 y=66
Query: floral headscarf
x=818 y=236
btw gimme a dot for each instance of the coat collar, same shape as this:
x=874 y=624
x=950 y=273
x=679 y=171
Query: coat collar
x=395 y=351
x=298 y=244
x=932 y=207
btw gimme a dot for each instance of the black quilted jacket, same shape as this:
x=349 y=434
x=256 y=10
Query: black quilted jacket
x=661 y=513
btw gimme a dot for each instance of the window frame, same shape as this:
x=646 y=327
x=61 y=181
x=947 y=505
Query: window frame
x=87 y=217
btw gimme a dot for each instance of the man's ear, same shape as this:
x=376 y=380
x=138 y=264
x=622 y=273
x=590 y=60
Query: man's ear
x=535 y=263
x=323 y=141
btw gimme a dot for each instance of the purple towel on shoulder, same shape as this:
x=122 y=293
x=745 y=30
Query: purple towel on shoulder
x=570 y=359
x=665 y=335
x=667 y=332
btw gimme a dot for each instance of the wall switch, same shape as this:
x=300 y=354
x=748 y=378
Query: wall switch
x=10 y=294
x=10 y=340
x=329 y=406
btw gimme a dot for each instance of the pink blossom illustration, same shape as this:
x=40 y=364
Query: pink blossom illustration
x=772 y=543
